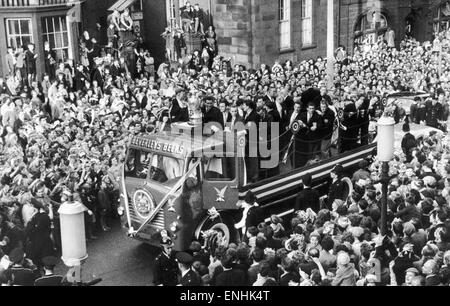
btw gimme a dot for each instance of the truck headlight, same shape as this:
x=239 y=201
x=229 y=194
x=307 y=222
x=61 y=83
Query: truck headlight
x=120 y=211
x=174 y=227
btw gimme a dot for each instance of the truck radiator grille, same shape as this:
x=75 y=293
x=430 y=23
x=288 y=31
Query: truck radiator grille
x=158 y=222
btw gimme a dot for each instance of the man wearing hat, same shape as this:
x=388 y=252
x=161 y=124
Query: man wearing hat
x=189 y=277
x=22 y=272
x=166 y=266
x=49 y=279
x=308 y=197
x=337 y=188
x=433 y=113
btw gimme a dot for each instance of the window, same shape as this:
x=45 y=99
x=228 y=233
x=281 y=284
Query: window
x=367 y=27
x=18 y=32
x=442 y=22
x=171 y=13
x=165 y=169
x=55 y=32
x=137 y=164
x=307 y=22
x=285 y=23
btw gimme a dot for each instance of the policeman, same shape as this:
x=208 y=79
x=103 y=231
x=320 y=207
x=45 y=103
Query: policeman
x=434 y=112
x=337 y=188
x=166 y=266
x=49 y=279
x=188 y=276
x=22 y=272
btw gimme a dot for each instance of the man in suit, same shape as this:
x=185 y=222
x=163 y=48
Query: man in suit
x=273 y=118
x=166 y=266
x=180 y=111
x=363 y=119
x=251 y=121
x=308 y=197
x=230 y=277
x=326 y=132
x=211 y=114
x=349 y=129
x=81 y=76
x=311 y=124
x=234 y=119
x=189 y=278
x=223 y=107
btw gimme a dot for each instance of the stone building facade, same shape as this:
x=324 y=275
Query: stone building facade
x=250 y=31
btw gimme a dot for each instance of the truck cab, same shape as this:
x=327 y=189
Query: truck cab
x=172 y=182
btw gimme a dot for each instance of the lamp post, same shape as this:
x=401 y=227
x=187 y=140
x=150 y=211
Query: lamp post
x=73 y=237
x=386 y=126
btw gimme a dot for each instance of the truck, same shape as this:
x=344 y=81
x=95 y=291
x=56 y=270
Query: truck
x=172 y=185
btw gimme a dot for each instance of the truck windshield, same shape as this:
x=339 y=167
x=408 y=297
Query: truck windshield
x=165 y=169
x=137 y=163
x=159 y=168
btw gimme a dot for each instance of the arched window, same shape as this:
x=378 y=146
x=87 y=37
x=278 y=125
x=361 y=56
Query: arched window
x=442 y=21
x=369 y=24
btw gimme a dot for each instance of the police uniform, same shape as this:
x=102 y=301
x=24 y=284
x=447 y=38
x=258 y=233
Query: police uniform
x=49 y=280
x=166 y=267
x=190 y=278
x=433 y=114
x=337 y=188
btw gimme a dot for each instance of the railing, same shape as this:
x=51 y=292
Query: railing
x=25 y=3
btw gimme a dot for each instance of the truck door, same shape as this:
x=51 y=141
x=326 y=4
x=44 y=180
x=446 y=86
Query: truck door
x=220 y=183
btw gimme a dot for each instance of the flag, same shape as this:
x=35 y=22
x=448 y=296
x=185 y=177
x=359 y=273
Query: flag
x=74 y=14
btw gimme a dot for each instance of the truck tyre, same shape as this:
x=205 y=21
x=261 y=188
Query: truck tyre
x=221 y=224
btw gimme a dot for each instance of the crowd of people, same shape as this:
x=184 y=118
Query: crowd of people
x=339 y=245
x=63 y=139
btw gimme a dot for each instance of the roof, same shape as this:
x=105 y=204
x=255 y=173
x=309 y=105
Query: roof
x=121 y=5
x=180 y=145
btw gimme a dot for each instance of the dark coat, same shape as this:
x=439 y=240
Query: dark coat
x=231 y=278
x=214 y=115
x=315 y=119
x=308 y=198
x=191 y=279
x=408 y=143
x=337 y=190
x=39 y=244
x=328 y=118
x=166 y=270
x=433 y=114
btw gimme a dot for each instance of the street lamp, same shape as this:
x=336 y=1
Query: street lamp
x=73 y=237
x=386 y=140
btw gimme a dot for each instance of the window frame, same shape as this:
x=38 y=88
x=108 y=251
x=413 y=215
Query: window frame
x=46 y=35
x=20 y=35
x=307 y=19
x=171 y=13
x=285 y=24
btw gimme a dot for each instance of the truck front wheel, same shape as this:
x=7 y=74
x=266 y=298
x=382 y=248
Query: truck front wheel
x=219 y=231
